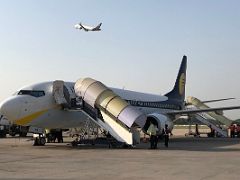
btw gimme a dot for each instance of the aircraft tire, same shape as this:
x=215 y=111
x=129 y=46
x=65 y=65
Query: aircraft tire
x=36 y=142
x=42 y=141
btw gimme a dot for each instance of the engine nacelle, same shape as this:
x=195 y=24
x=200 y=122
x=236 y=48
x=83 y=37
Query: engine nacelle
x=160 y=120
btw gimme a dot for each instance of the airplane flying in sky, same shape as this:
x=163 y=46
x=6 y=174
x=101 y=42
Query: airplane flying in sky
x=88 y=28
x=55 y=104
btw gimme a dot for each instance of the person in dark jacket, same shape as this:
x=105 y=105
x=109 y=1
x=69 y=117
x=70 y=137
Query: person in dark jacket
x=166 y=133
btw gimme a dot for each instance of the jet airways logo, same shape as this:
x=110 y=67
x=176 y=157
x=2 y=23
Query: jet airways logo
x=182 y=82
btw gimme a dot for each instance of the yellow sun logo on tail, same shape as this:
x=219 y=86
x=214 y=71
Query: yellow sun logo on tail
x=182 y=82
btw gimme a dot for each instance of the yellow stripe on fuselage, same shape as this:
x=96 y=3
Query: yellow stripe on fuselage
x=31 y=117
x=25 y=120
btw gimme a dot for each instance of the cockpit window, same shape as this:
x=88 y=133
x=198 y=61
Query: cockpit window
x=32 y=93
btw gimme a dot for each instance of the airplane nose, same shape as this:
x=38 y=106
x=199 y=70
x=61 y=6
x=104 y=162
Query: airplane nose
x=10 y=108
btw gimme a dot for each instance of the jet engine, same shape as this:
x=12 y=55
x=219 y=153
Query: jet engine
x=160 y=120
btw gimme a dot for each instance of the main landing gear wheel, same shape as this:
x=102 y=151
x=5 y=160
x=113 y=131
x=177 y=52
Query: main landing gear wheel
x=39 y=141
x=42 y=141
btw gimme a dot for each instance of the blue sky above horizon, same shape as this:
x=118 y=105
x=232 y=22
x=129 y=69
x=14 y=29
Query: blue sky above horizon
x=140 y=46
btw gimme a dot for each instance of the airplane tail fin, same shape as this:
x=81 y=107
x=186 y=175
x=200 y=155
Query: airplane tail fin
x=98 y=26
x=178 y=92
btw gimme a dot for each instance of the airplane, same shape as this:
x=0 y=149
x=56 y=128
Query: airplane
x=37 y=106
x=88 y=28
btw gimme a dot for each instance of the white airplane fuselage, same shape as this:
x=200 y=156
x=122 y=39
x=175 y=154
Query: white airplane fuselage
x=35 y=106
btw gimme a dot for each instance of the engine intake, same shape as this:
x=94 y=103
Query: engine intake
x=159 y=120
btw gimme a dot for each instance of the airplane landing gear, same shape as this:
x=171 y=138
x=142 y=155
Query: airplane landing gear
x=39 y=140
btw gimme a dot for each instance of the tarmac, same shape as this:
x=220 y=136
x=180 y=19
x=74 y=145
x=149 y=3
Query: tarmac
x=186 y=158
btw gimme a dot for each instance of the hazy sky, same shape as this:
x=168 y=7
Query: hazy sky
x=140 y=46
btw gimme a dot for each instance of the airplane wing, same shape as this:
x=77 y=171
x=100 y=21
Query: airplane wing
x=85 y=29
x=217 y=100
x=194 y=111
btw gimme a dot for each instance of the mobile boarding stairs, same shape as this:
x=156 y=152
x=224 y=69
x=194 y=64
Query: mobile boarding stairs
x=103 y=107
x=206 y=119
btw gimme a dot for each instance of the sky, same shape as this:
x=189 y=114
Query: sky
x=139 y=48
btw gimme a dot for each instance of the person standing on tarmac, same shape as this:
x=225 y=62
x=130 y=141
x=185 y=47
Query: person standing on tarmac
x=238 y=130
x=152 y=131
x=197 y=134
x=232 y=131
x=156 y=137
x=166 y=135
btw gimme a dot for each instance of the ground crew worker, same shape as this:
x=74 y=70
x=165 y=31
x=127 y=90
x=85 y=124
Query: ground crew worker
x=212 y=131
x=197 y=134
x=152 y=131
x=47 y=132
x=59 y=135
x=166 y=135
x=232 y=130
x=156 y=137
x=238 y=130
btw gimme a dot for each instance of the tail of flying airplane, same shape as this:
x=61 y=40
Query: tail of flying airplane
x=98 y=26
x=178 y=92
